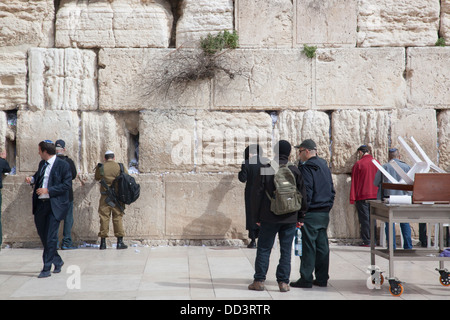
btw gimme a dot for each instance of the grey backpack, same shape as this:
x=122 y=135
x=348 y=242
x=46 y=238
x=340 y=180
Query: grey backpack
x=287 y=198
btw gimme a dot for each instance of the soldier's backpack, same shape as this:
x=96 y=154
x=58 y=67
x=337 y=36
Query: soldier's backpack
x=125 y=186
x=286 y=197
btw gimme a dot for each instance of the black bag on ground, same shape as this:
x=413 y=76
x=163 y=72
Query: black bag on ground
x=126 y=188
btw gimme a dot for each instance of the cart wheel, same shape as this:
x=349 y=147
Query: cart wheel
x=396 y=289
x=445 y=281
x=381 y=280
x=444 y=277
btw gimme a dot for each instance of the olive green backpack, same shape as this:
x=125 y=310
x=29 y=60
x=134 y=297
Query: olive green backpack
x=287 y=198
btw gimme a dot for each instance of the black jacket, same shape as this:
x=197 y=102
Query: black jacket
x=249 y=172
x=319 y=184
x=73 y=170
x=4 y=168
x=261 y=203
x=59 y=183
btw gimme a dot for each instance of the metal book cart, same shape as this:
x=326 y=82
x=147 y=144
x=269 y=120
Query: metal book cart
x=430 y=204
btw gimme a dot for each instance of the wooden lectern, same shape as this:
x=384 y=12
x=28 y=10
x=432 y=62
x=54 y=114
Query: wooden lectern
x=427 y=187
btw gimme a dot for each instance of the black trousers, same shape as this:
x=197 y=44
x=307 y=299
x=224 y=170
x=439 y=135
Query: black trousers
x=47 y=227
x=363 y=208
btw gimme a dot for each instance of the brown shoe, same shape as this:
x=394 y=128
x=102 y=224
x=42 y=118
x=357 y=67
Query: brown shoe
x=284 y=287
x=256 y=285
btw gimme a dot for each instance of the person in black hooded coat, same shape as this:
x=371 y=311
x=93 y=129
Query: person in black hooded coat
x=250 y=169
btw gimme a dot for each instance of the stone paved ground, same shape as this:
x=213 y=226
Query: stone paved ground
x=200 y=272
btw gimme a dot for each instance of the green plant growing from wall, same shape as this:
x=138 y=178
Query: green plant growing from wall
x=223 y=40
x=440 y=42
x=309 y=51
x=183 y=66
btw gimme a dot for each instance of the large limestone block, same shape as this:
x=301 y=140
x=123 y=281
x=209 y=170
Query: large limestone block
x=118 y=23
x=296 y=126
x=27 y=23
x=444 y=30
x=201 y=141
x=223 y=136
x=444 y=139
x=344 y=223
x=167 y=140
x=62 y=79
x=355 y=78
x=204 y=206
x=17 y=216
x=144 y=219
x=418 y=123
x=269 y=79
x=429 y=81
x=34 y=127
x=352 y=128
x=401 y=23
x=102 y=131
x=135 y=79
x=263 y=23
x=13 y=79
x=200 y=17
x=328 y=23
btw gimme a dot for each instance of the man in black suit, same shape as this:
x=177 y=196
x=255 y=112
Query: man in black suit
x=52 y=182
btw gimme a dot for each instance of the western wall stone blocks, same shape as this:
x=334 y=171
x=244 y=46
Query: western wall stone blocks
x=102 y=131
x=13 y=79
x=343 y=216
x=223 y=136
x=36 y=126
x=296 y=126
x=267 y=24
x=17 y=216
x=62 y=79
x=419 y=123
x=201 y=17
x=200 y=141
x=398 y=23
x=444 y=139
x=360 y=78
x=352 y=128
x=429 y=80
x=444 y=30
x=117 y=23
x=26 y=23
x=219 y=215
x=327 y=23
x=144 y=219
x=267 y=79
x=161 y=131
x=135 y=79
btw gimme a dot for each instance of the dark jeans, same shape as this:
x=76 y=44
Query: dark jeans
x=316 y=252
x=67 y=230
x=363 y=208
x=47 y=227
x=266 y=239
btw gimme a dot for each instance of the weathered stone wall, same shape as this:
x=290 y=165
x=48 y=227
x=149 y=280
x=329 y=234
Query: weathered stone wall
x=84 y=71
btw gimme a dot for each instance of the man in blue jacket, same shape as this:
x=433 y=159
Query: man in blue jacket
x=386 y=193
x=320 y=198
